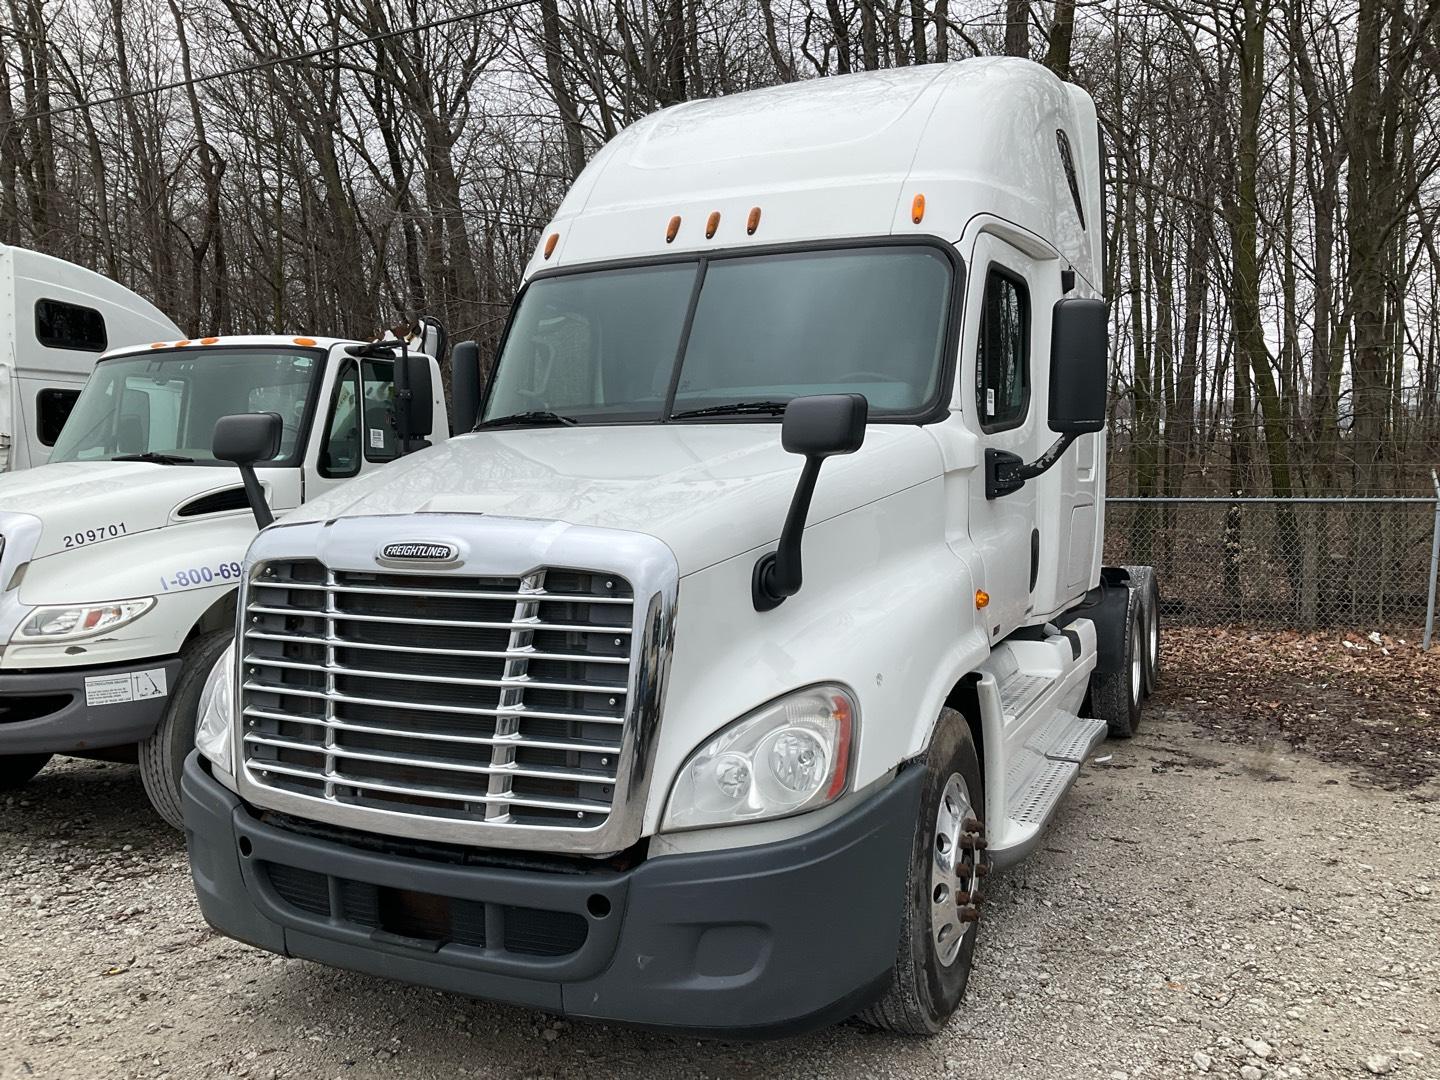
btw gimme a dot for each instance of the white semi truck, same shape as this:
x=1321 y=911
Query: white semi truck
x=56 y=319
x=633 y=705
x=119 y=559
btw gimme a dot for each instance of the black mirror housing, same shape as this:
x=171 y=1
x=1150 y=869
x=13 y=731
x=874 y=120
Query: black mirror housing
x=418 y=406
x=246 y=438
x=818 y=426
x=464 y=386
x=823 y=425
x=1079 y=365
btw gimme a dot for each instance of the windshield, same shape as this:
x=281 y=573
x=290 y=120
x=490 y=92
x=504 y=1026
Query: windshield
x=643 y=344
x=166 y=403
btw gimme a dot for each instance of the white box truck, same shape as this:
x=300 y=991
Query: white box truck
x=56 y=319
x=632 y=704
x=119 y=559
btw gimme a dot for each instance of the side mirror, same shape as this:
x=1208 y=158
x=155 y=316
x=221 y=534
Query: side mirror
x=1079 y=366
x=416 y=399
x=818 y=427
x=246 y=438
x=1079 y=378
x=464 y=386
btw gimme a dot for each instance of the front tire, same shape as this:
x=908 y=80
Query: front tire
x=163 y=753
x=947 y=861
x=17 y=770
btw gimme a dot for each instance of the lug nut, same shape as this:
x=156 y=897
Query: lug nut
x=972 y=824
x=969 y=914
x=981 y=869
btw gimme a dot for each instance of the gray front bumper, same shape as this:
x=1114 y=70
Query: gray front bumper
x=44 y=712
x=753 y=942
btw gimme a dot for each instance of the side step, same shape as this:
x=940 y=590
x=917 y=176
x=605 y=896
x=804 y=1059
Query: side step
x=1042 y=770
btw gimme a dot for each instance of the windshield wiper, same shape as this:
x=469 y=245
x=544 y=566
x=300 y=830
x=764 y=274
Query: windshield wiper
x=158 y=459
x=536 y=417
x=737 y=408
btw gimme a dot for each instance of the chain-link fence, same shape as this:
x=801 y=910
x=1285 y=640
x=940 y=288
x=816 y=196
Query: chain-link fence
x=1358 y=564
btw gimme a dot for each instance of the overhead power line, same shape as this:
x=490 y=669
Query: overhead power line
x=276 y=61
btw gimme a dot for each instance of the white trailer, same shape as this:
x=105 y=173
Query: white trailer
x=633 y=705
x=119 y=558
x=56 y=319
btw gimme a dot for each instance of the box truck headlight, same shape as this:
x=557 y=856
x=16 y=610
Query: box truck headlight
x=786 y=757
x=217 y=711
x=67 y=623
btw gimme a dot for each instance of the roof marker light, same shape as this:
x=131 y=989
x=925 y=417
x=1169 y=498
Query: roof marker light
x=208 y=340
x=917 y=209
x=711 y=224
x=182 y=344
x=550 y=242
x=672 y=229
x=753 y=221
x=307 y=342
x=157 y=344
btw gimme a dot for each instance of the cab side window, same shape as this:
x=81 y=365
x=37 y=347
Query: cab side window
x=378 y=379
x=1002 y=368
x=340 y=456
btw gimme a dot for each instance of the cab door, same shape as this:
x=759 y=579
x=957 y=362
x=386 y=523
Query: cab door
x=1003 y=403
x=354 y=430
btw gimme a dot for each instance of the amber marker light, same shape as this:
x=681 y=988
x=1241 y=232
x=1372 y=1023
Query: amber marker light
x=550 y=242
x=982 y=598
x=208 y=340
x=672 y=230
x=844 y=721
x=182 y=344
x=157 y=344
x=711 y=224
x=307 y=342
x=753 y=221
x=917 y=209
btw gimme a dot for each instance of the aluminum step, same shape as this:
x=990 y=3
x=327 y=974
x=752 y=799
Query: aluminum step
x=1019 y=691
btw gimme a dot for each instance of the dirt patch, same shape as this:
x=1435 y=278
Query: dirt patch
x=1368 y=702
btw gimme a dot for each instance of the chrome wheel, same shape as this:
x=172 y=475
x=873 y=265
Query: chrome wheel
x=958 y=849
x=1137 y=668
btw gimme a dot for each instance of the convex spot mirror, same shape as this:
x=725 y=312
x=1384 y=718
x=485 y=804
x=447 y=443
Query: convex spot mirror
x=1079 y=365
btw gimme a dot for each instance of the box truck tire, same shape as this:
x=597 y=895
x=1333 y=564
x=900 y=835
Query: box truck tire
x=937 y=927
x=1115 y=696
x=162 y=754
x=16 y=770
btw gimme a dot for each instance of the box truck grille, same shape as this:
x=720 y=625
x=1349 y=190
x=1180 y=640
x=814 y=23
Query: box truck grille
x=497 y=700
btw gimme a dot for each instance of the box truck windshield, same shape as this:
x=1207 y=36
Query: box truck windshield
x=163 y=406
x=704 y=335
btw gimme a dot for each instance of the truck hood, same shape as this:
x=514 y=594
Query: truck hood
x=708 y=491
x=87 y=502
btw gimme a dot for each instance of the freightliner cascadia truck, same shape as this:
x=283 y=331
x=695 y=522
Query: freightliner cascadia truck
x=760 y=616
x=119 y=559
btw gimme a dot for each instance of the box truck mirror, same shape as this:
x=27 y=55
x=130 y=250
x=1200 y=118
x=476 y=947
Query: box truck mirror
x=464 y=386
x=818 y=427
x=246 y=438
x=1079 y=375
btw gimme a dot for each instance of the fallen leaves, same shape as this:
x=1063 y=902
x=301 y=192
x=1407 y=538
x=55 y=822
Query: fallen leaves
x=1366 y=700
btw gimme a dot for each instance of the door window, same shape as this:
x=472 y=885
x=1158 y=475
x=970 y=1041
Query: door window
x=1002 y=368
x=52 y=409
x=378 y=380
x=340 y=454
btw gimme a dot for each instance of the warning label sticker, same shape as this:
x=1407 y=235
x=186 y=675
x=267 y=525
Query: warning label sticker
x=125 y=686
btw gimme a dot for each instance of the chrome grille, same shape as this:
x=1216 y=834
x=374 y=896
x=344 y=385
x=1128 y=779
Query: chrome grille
x=500 y=700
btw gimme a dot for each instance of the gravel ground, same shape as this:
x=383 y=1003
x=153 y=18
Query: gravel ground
x=1199 y=907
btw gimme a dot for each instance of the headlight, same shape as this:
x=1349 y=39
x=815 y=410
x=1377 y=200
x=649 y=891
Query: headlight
x=66 y=623
x=787 y=757
x=217 y=709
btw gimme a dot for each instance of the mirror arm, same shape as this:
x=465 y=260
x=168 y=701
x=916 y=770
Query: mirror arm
x=1006 y=473
x=778 y=573
x=255 y=494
